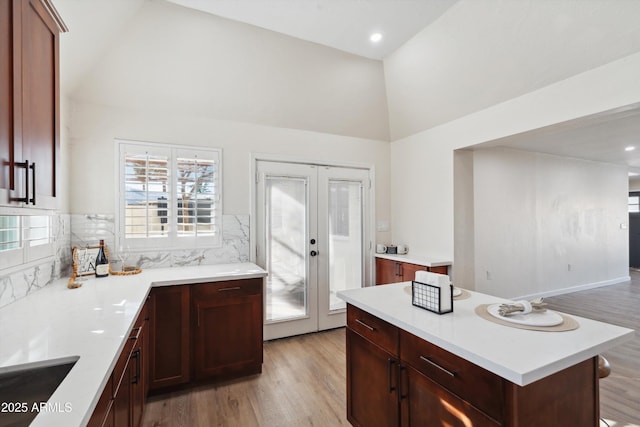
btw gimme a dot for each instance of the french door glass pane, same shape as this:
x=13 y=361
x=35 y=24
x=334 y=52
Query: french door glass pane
x=286 y=228
x=345 y=239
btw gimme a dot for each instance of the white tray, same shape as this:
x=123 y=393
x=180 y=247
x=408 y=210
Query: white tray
x=535 y=318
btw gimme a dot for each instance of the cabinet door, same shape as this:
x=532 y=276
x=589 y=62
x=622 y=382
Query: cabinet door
x=103 y=412
x=387 y=271
x=6 y=99
x=40 y=102
x=169 y=337
x=227 y=338
x=372 y=378
x=122 y=398
x=137 y=381
x=425 y=403
x=409 y=271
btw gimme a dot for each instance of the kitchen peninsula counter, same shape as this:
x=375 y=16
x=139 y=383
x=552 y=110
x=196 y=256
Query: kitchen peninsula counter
x=460 y=369
x=520 y=356
x=88 y=324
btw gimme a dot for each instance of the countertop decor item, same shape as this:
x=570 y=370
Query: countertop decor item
x=127 y=270
x=435 y=298
x=84 y=260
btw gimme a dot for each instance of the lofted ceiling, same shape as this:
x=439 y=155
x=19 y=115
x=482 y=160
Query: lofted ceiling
x=344 y=25
x=341 y=24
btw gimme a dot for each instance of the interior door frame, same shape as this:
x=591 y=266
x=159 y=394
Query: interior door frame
x=370 y=212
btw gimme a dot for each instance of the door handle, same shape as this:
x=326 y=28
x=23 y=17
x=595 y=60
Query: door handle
x=313 y=253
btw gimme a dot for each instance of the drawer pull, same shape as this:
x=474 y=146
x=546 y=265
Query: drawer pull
x=432 y=363
x=135 y=333
x=371 y=328
x=235 y=288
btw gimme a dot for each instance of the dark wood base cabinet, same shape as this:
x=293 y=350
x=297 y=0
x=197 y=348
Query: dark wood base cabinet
x=227 y=329
x=185 y=335
x=397 y=379
x=205 y=332
x=389 y=271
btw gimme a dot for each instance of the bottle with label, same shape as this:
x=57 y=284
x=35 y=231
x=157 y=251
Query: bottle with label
x=102 y=262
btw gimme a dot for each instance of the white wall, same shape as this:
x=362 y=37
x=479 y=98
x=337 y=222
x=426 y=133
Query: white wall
x=172 y=59
x=481 y=53
x=94 y=127
x=176 y=75
x=422 y=178
x=544 y=223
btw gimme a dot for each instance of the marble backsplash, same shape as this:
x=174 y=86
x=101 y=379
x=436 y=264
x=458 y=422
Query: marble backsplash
x=87 y=230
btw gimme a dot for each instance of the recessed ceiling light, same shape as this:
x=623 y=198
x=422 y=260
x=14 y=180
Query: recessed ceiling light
x=375 y=37
x=629 y=148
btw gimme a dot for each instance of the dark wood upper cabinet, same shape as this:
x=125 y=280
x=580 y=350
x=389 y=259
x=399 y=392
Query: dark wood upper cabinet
x=30 y=98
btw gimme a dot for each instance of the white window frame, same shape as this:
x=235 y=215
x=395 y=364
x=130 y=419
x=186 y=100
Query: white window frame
x=27 y=253
x=172 y=240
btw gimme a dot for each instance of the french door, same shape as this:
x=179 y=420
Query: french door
x=313 y=239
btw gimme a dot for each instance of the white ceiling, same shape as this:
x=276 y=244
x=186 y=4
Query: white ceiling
x=340 y=24
x=602 y=137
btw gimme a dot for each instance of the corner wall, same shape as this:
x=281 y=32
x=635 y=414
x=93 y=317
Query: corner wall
x=545 y=223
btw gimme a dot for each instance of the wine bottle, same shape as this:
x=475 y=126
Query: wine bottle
x=102 y=263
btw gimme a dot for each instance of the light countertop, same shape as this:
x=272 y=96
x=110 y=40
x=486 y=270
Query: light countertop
x=427 y=261
x=88 y=324
x=518 y=355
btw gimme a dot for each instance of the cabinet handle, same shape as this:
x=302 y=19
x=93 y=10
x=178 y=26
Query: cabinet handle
x=400 y=270
x=137 y=333
x=434 y=364
x=198 y=316
x=371 y=328
x=33 y=183
x=136 y=377
x=401 y=394
x=235 y=288
x=25 y=166
x=390 y=367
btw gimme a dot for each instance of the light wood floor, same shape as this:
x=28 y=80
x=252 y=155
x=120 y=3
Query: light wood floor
x=303 y=379
x=302 y=384
x=619 y=305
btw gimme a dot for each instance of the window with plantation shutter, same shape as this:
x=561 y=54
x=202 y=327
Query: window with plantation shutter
x=25 y=238
x=169 y=196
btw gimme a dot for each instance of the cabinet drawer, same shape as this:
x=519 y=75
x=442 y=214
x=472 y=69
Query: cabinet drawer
x=476 y=385
x=119 y=370
x=227 y=288
x=372 y=328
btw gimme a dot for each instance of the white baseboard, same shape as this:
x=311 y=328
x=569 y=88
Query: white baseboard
x=584 y=287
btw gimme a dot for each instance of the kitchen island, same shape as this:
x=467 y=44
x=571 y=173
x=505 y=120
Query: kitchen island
x=89 y=326
x=419 y=368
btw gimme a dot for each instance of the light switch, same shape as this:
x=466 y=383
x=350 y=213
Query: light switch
x=383 y=225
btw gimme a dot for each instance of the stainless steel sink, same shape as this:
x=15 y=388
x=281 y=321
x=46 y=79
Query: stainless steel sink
x=21 y=389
